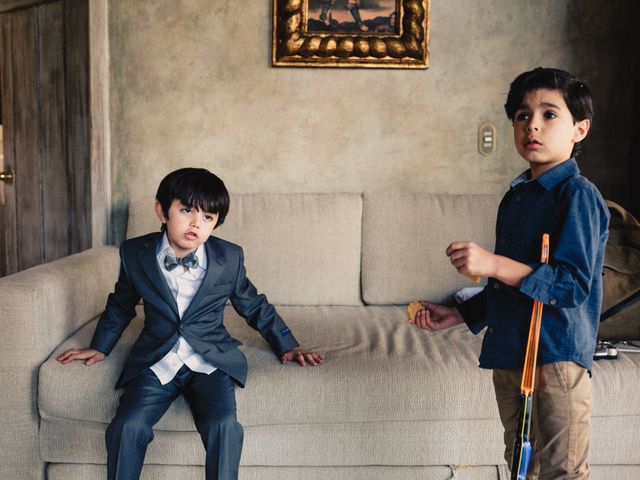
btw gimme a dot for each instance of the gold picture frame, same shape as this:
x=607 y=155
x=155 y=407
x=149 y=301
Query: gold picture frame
x=304 y=37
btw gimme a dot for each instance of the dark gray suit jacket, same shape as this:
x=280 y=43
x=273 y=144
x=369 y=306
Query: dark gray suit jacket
x=202 y=323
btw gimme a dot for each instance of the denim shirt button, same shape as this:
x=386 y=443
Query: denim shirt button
x=553 y=301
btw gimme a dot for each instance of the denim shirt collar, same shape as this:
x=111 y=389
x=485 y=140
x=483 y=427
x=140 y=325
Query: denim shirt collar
x=551 y=178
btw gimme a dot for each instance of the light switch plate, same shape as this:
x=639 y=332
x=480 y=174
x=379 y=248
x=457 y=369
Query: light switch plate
x=487 y=139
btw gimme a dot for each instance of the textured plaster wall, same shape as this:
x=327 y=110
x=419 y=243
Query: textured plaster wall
x=192 y=84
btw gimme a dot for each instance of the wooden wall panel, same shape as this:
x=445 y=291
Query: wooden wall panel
x=52 y=142
x=44 y=78
x=9 y=234
x=27 y=166
x=78 y=125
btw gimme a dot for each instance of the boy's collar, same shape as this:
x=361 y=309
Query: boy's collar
x=551 y=178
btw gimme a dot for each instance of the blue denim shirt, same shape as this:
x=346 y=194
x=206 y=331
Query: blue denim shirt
x=566 y=205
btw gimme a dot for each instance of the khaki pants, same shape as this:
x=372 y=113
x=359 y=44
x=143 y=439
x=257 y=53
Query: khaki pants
x=561 y=419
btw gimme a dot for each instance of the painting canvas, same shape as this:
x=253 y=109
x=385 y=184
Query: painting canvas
x=353 y=16
x=351 y=33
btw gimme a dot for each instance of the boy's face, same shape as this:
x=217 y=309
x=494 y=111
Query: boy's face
x=544 y=131
x=187 y=227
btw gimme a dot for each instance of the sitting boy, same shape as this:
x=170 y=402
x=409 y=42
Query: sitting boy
x=551 y=113
x=185 y=277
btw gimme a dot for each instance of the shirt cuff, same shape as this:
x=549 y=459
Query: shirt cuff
x=537 y=284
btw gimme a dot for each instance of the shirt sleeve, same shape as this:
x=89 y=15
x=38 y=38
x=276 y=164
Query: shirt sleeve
x=474 y=311
x=566 y=281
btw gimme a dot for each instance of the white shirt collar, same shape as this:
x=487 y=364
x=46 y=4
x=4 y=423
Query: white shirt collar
x=164 y=248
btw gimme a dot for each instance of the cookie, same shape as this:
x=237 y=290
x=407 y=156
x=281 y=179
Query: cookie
x=412 y=309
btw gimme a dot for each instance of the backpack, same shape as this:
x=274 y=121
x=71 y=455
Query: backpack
x=620 y=317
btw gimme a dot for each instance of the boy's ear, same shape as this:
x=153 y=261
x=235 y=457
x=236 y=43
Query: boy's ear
x=160 y=212
x=581 y=130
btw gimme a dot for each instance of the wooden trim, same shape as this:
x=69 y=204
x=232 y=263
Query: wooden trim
x=3 y=260
x=100 y=127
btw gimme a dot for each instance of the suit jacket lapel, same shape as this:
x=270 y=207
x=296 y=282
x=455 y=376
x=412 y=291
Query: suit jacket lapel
x=151 y=269
x=215 y=266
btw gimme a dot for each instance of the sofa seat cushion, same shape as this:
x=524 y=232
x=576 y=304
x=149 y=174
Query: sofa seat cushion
x=384 y=382
x=377 y=367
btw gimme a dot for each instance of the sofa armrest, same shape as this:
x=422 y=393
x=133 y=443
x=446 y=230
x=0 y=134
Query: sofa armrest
x=40 y=308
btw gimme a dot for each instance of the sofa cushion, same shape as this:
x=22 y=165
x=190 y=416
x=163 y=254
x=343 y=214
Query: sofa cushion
x=404 y=238
x=303 y=444
x=300 y=249
x=377 y=367
x=384 y=383
x=376 y=363
x=369 y=472
x=419 y=443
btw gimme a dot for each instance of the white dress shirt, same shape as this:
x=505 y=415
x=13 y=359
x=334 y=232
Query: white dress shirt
x=183 y=283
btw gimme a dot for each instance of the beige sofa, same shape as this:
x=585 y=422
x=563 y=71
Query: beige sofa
x=391 y=402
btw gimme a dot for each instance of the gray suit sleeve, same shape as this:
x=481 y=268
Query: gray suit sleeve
x=118 y=313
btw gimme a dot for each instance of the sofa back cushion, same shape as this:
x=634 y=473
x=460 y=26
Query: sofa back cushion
x=404 y=238
x=300 y=249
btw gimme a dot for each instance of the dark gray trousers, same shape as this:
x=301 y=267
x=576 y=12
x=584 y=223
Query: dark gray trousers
x=144 y=400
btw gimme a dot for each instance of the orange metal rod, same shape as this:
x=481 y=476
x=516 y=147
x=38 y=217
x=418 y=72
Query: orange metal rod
x=531 y=357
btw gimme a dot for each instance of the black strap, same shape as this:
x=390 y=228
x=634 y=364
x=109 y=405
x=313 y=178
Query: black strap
x=627 y=302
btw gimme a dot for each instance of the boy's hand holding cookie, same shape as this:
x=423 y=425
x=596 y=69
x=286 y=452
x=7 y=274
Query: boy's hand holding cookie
x=412 y=310
x=302 y=358
x=431 y=316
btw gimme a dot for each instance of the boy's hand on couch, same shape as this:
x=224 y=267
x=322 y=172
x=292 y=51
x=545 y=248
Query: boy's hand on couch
x=89 y=355
x=436 y=317
x=302 y=358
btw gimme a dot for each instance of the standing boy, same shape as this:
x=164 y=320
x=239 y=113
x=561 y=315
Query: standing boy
x=185 y=277
x=551 y=113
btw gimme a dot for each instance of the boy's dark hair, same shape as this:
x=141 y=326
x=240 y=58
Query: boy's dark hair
x=194 y=187
x=576 y=94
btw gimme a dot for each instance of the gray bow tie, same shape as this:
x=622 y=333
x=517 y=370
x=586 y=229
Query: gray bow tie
x=171 y=262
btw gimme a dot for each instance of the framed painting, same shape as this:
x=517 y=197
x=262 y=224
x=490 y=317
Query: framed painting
x=351 y=33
